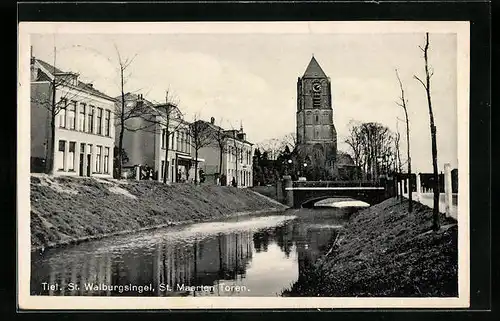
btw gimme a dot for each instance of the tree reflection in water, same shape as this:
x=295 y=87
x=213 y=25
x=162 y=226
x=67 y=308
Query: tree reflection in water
x=199 y=260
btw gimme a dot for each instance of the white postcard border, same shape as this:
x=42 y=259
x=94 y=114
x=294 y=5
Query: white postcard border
x=26 y=301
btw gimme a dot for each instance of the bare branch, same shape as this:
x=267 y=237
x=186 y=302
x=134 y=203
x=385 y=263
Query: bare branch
x=129 y=61
x=119 y=56
x=425 y=87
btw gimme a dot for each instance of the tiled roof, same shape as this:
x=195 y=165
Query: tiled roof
x=314 y=70
x=84 y=86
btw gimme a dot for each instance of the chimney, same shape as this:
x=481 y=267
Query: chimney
x=33 y=68
x=212 y=120
x=32 y=58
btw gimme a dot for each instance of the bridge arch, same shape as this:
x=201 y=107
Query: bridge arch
x=309 y=203
x=306 y=196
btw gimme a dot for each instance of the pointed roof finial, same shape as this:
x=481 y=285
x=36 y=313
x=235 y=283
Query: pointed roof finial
x=314 y=70
x=241 y=125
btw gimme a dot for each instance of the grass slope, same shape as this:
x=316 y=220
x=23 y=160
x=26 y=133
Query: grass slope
x=385 y=251
x=66 y=209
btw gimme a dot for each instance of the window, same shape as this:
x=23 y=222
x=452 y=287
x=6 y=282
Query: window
x=162 y=169
x=178 y=141
x=308 y=117
x=106 y=160
x=71 y=159
x=98 y=159
x=182 y=142
x=172 y=141
x=107 y=123
x=81 y=117
x=316 y=100
x=163 y=138
x=316 y=119
x=62 y=113
x=72 y=115
x=99 y=121
x=61 y=159
x=91 y=119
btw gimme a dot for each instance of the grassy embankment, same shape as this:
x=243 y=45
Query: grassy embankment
x=385 y=251
x=68 y=210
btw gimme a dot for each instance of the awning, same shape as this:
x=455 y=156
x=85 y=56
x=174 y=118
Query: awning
x=187 y=157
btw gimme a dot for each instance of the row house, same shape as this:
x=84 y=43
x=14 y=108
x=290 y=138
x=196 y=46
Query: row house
x=237 y=152
x=84 y=124
x=145 y=139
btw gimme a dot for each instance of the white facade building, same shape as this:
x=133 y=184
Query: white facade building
x=84 y=124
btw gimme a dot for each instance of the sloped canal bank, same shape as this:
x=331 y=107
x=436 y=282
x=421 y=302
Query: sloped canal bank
x=385 y=251
x=67 y=210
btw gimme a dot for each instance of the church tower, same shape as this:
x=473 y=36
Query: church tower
x=316 y=134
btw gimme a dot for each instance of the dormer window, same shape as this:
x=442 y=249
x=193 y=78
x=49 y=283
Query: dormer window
x=69 y=78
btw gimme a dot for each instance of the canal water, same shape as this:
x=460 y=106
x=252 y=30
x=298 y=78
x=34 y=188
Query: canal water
x=257 y=255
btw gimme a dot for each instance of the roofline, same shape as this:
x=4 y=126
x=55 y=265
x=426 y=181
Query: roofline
x=49 y=73
x=52 y=75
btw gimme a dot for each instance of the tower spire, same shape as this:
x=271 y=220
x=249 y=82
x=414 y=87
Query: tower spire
x=314 y=70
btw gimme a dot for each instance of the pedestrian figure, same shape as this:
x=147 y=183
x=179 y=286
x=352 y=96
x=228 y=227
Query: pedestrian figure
x=234 y=182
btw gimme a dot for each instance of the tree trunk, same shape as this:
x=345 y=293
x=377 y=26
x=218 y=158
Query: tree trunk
x=401 y=189
x=165 y=167
x=436 y=224
x=122 y=129
x=167 y=139
x=220 y=160
x=410 y=196
x=51 y=145
x=52 y=141
x=196 y=166
x=236 y=180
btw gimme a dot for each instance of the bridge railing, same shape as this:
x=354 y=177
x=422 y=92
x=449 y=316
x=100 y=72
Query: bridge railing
x=337 y=184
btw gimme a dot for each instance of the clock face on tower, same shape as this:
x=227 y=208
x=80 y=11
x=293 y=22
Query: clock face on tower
x=317 y=87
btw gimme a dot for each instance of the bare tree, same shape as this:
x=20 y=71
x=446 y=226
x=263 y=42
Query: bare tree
x=123 y=112
x=201 y=136
x=371 y=147
x=398 y=159
x=403 y=103
x=58 y=80
x=436 y=224
x=271 y=146
x=220 y=138
x=236 y=151
x=355 y=142
x=289 y=140
x=170 y=120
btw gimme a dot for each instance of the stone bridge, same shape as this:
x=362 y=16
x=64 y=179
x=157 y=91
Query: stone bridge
x=305 y=194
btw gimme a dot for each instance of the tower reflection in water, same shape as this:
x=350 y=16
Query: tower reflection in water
x=211 y=260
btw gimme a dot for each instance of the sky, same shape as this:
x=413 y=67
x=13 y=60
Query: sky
x=251 y=78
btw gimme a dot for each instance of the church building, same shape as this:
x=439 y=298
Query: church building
x=316 y=134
